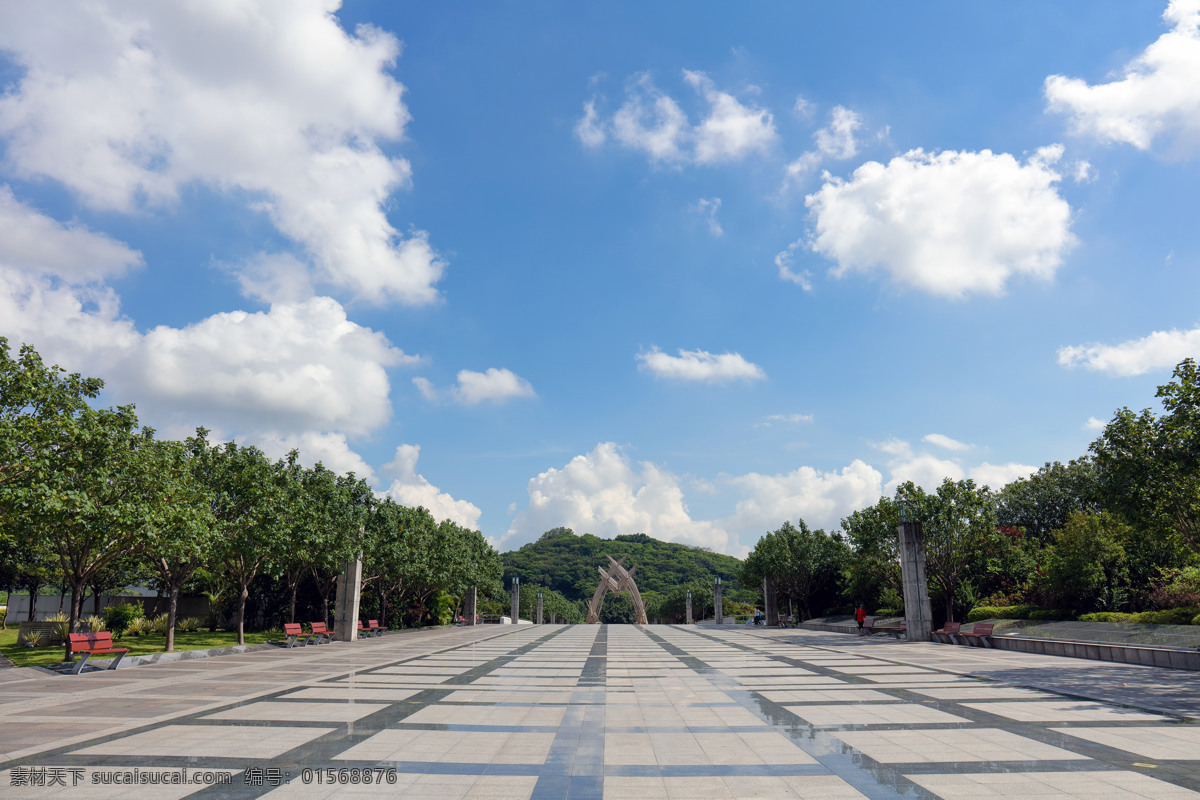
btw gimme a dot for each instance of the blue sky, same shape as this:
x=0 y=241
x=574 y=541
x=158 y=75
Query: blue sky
x=675 y=268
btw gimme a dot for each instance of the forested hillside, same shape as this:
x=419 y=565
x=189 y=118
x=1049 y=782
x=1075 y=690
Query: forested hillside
x=567 y=563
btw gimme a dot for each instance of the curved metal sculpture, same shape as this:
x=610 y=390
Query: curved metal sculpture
x=616 y=579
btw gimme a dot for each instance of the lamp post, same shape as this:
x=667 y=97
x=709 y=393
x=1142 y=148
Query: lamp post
x=688 y=616
x=516 y=599
x=718 y=606
x=539 y=608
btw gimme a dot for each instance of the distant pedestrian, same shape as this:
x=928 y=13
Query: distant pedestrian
x=860 y=616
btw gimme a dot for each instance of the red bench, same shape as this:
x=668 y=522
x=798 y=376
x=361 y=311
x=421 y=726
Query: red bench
x=320 y=632
x=374 y=627
x=370 y=631
x=980 y=632
x=295 y=633
x=87 y=645
x=950 y=630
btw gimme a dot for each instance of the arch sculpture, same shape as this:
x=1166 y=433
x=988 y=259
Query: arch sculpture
x=616 y=579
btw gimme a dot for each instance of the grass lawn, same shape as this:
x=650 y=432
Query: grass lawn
x=138 y=645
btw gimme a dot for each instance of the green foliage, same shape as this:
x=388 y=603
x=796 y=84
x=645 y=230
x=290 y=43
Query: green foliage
x=137 y=626
x=188 y=624
x=567 y=563
x=1087 y=561
x=93 y=623
x=1177 y=588
x=1044 y=501
x=873 y=568
x=1018 y=612
x=804 y=564
x=1170 y=616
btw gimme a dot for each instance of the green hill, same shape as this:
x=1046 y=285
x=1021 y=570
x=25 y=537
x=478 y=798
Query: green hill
x=567 y=563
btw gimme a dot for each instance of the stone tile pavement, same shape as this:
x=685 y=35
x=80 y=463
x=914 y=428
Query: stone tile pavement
x=605 y=712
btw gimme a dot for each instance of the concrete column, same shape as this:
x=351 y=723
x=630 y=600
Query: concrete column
x=553 y=621
x=471 y=605
x=516 y=600
x=349 y=594
x=539 y=609
x=917 y=613
x=718 y=606
x=689 y=608
x=770 y=602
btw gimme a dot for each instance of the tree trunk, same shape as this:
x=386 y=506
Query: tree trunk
x=172 y=605
x=96 y=592
x=33 y=598
x=293 y=589
x=949 y=607
x=77 y=593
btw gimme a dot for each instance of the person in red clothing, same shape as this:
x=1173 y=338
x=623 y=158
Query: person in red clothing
x=860 y=616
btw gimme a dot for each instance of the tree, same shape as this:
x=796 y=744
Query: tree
x=801 y=562
x=245 y=491
x=1086 y=569
x=873 y=570
x=958 y=521
x=1044 y=501
x=178 y=538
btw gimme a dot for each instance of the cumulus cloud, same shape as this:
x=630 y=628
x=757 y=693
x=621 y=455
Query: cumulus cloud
x=412 y=489
x=928 y=470
x=1094 y=424
x=472 y=388
x=945 y=442
x=699 y=365
x=950 y=223
x=1157 y=97
x=652 y=122
x=125 y=105
x=837 y=139
x=605 y=494
x=1158 y=350
x=332 y=450
x=707 y=210
x=35 y=243
x=997 y=476
x=822 y=499
x=295 y=367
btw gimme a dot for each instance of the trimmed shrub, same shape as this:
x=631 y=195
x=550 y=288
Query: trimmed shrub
x=1109 y=616
x=118 y=618
x=1018 y=612
x=1196 y=620
x=889 y=612
x=1171 y=616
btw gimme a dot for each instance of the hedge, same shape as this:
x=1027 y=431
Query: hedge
x=1171 y=616
x=1018 y=612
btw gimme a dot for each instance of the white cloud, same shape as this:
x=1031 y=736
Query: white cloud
x=603 y=493
x=784 y=260
x=412 y=489
x=945 y=442
x=1083 y=172
x=1158 y=96
x=803 y=108
x=1094 y=424
x=652 y=122
x=274 y=278
x=949 y=224
x=293 y=368
x=997 y=476
x=35 y=243
x=126 y=105
x=707 y=210
x=331 y=449
x=928 y=471
x=822 y=499
x=589 y=129
x=494 y=385
x=731 y=130
x=472 y=388
x=837 y=139
x=1159 y=350
x=699 y=365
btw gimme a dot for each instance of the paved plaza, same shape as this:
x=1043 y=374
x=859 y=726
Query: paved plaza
x=612 y=711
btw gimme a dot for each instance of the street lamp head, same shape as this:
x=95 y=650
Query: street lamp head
x=907 y=509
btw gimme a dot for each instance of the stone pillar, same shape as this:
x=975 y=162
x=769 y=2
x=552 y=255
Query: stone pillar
x=917 y=613
x=349 y=594
x=689 y=608
x=553 y=621
x=471 y=605
x=718 y=606
x=516 y=599
x=539 y=609
x=770 y=602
